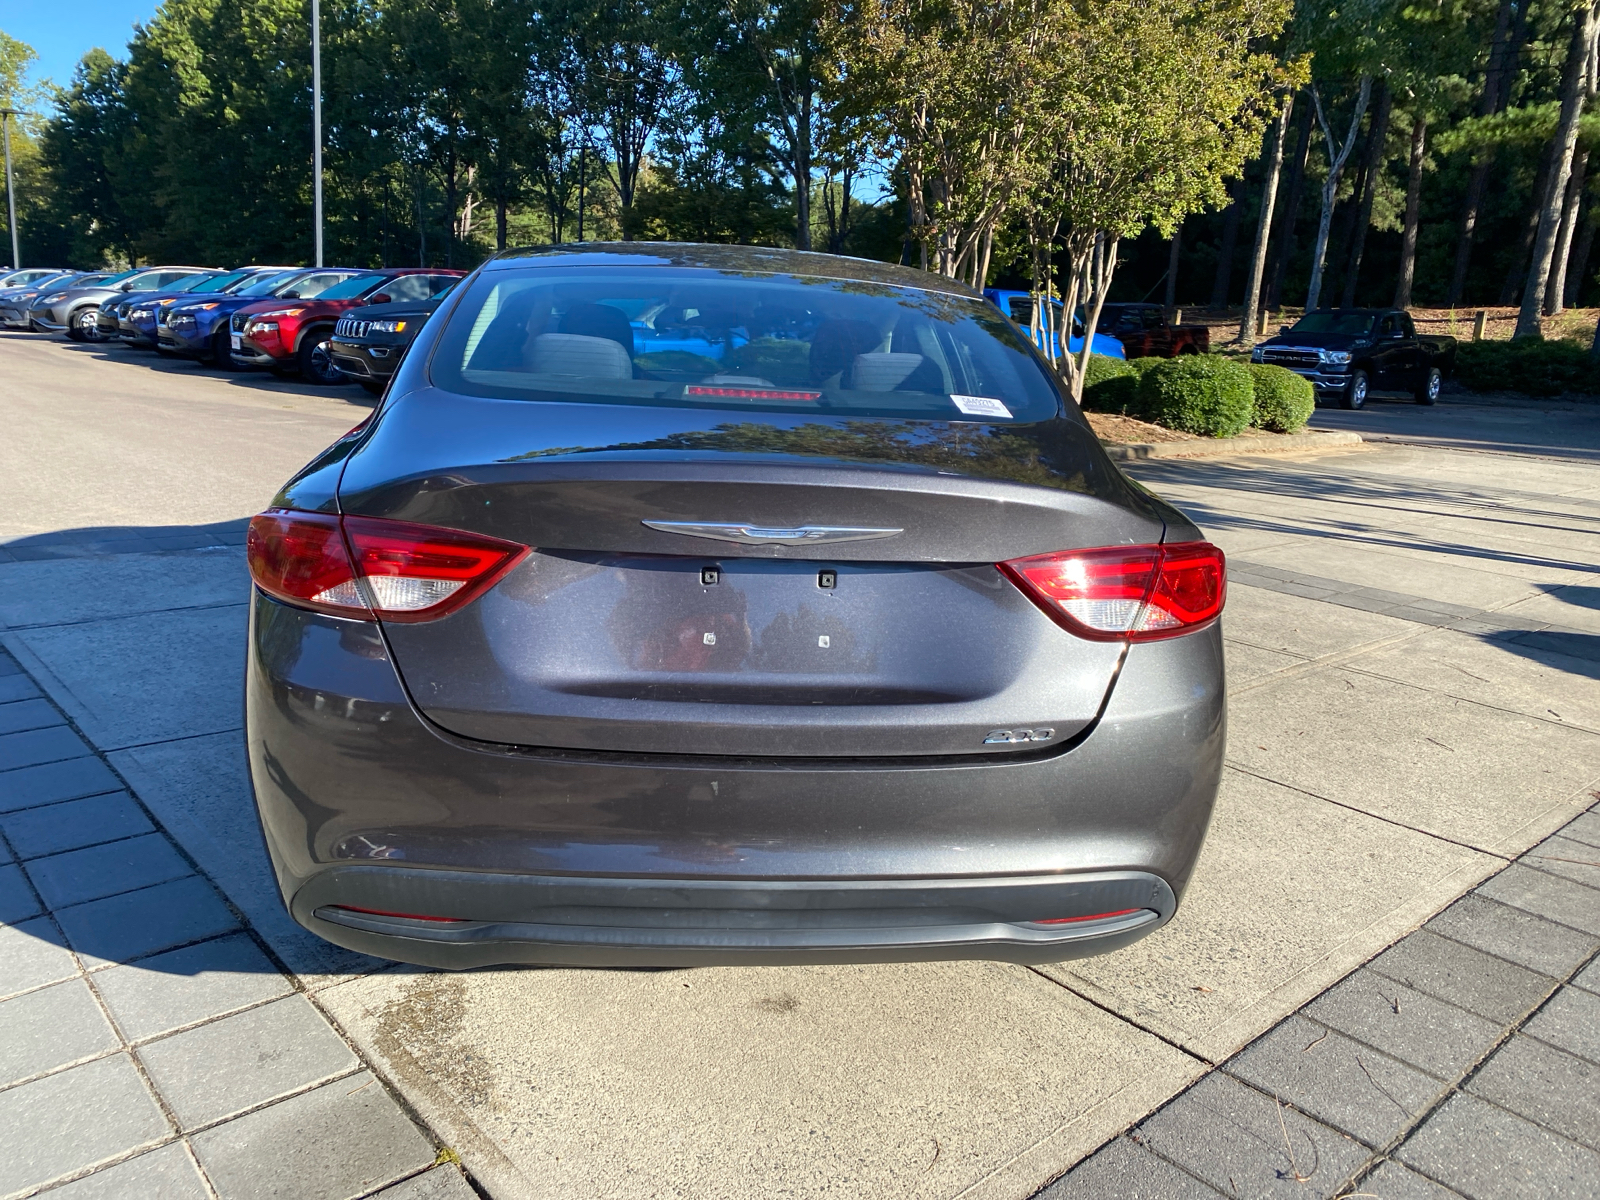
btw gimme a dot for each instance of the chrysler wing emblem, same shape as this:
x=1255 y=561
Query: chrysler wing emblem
x=760 y=535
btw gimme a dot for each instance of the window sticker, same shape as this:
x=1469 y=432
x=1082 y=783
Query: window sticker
x=980 y=406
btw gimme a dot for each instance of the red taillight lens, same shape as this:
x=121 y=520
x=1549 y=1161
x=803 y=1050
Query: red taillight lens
x=301 y=558
x=1134 y=593
x=366 y=567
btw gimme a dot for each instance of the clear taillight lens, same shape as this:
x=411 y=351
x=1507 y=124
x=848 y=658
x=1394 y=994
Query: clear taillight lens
x=367 y=567
x=1133 y=593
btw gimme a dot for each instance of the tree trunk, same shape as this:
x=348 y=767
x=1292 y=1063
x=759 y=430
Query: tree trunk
x=1555 y=291
x=1585 y=23
x=1496 y=79
x=1408 y=240
x=500 y=222
x=1222 y=282
x=450 y=209
x=1578 y=265
x=1516 y=274
x=1258 y=255
x=1291 y=208
x=802 y=172
x=1330 y=187
x=1476 y=185
x=1376 y=158
x=1171 y=298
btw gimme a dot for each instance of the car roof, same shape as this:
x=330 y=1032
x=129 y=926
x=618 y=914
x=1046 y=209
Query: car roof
x=754 y=259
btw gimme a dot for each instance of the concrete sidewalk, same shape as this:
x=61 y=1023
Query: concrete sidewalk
x=1412 y=639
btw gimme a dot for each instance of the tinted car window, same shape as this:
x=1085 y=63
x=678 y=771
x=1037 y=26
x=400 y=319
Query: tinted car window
x=354 y=288
x=311 y=287
x=439 y=285
x=1348 y=324
x=265 y=285
x=711 y=339
x=146 y=281
x=203 y=282
x=407 y=287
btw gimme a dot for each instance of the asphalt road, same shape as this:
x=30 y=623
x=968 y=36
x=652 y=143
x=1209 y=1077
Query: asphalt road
x=1411 y=637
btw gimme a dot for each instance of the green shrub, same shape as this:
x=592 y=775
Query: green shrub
x=1204 y=394
x=1284 y=401
x=1109 y=385
x=1529 y=365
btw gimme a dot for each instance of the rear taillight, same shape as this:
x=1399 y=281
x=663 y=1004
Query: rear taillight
x=367 y=567
x=1126 y=593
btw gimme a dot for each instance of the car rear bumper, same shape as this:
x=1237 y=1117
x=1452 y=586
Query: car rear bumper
x=633 y=859
x=602 y=921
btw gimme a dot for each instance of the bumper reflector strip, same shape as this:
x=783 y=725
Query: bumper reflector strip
x=378 y=912
x=1121 y=912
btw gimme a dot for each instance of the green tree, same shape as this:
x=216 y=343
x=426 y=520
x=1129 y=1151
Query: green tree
x=621 y=77
x=956 y=91
x=1153 y=111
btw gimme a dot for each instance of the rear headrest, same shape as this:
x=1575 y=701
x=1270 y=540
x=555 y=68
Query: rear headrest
x=882 y=372
x=599 y=321
x=500 y=348
x=584 y=357
x=836 y=344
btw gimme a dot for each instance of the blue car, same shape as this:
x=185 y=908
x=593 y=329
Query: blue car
x=111 y=321
x=197 y=327
x=1018 y=307
x=136 y=317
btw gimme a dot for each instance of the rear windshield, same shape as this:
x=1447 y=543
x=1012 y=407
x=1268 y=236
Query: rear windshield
x=1349 y=324
x=711 y=339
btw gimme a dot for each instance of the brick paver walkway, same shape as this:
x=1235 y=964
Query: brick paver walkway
x=1462 y=1061
x=149 y=1044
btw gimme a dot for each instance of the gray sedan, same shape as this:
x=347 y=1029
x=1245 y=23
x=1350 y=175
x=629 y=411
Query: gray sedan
x=74 y=310
x=692 y=604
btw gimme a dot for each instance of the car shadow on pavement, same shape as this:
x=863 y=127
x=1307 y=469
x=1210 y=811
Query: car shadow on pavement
x=268 y=381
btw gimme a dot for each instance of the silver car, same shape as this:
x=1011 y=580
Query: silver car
x=75 y=310
x=693 y=604
x=16 y=299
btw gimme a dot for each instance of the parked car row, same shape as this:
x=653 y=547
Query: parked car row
x=276 y=318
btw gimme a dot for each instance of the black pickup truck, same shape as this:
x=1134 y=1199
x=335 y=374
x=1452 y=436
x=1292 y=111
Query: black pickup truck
x=1351 y=353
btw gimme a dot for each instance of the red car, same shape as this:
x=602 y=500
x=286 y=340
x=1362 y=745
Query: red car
x=278 y=334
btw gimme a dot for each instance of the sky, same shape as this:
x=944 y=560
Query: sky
x=63 y=31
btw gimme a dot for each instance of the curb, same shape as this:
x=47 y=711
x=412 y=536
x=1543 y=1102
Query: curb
x=1278 y=443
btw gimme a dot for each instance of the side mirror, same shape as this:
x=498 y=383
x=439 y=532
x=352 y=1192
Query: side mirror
x=380 y=298
x=290 y=295
x=1282 y=329
x=127 y=287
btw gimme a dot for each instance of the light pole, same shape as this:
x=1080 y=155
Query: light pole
x=316 y=122
x=11 y=188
